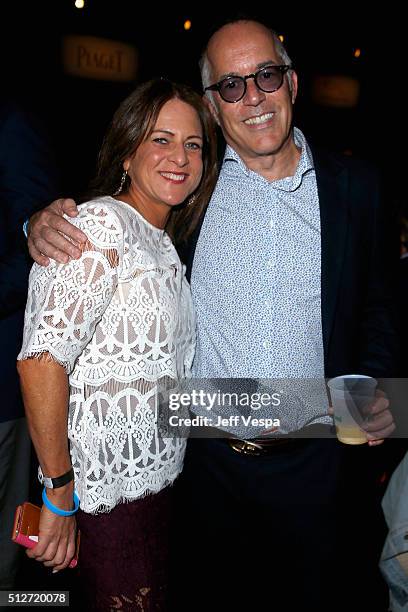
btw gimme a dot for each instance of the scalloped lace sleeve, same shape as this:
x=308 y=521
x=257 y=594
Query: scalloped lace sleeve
x=66 y=301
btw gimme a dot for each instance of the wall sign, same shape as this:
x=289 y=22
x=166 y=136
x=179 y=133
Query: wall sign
x=99 y=58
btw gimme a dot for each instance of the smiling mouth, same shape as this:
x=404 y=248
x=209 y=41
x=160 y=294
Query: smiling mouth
x=171 y=176
x=259 y=120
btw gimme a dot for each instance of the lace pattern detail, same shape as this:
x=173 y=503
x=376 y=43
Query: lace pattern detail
x=120 y=321
x=140 y=601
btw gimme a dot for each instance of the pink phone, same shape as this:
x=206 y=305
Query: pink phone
x=25 y=528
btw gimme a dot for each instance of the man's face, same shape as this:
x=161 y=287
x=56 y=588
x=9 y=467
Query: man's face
x=260 y=123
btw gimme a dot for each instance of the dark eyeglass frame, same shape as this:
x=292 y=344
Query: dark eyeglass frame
x=255 y=75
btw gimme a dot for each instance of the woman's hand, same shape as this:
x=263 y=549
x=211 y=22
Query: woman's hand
x=56 y=541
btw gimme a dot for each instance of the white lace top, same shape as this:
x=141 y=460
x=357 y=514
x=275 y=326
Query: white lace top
x=119 y=320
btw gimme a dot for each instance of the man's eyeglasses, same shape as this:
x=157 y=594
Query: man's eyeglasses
x=233 y=88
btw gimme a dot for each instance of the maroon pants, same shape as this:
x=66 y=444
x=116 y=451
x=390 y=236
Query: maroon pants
x=123 y=558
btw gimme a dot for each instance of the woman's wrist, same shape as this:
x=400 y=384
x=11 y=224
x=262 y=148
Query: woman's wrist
x=63 y=496
x=62 y=505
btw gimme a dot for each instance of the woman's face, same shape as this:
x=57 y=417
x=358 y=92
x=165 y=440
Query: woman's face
x=167 y=167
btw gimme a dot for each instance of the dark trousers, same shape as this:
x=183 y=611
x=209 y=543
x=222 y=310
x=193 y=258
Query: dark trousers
x=15 y=451
x=299 y=530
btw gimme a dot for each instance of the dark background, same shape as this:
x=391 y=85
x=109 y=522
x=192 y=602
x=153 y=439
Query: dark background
x=319 y=41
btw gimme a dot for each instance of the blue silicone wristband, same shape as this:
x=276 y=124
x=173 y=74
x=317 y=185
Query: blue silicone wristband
x=58 y=511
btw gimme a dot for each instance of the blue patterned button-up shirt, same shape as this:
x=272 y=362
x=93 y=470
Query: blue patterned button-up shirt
x=256 y=275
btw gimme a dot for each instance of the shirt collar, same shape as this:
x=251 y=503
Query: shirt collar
x=290 y=183
x=232 y=156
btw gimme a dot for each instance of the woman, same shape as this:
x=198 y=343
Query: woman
x=103 y=333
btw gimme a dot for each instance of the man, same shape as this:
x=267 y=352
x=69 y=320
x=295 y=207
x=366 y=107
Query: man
x=287 y=280
x=27 y=182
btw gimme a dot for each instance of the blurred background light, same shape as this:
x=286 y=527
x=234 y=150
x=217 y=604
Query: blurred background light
x=338 y=91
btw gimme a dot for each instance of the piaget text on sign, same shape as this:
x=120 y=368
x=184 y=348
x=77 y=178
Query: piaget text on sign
x=99 y=58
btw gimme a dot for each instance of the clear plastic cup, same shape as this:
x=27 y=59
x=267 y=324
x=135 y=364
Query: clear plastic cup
x=351 y=397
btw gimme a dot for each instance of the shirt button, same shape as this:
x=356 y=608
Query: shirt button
x=266 y=344
x=272 y=224
x=268 y=303
x=269 y=264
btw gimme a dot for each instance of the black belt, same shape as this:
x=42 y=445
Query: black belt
x=257 y=447
x=270 y=446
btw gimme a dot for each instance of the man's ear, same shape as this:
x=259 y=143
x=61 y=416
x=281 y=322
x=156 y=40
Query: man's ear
x=212 y=108
x=294 y=86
